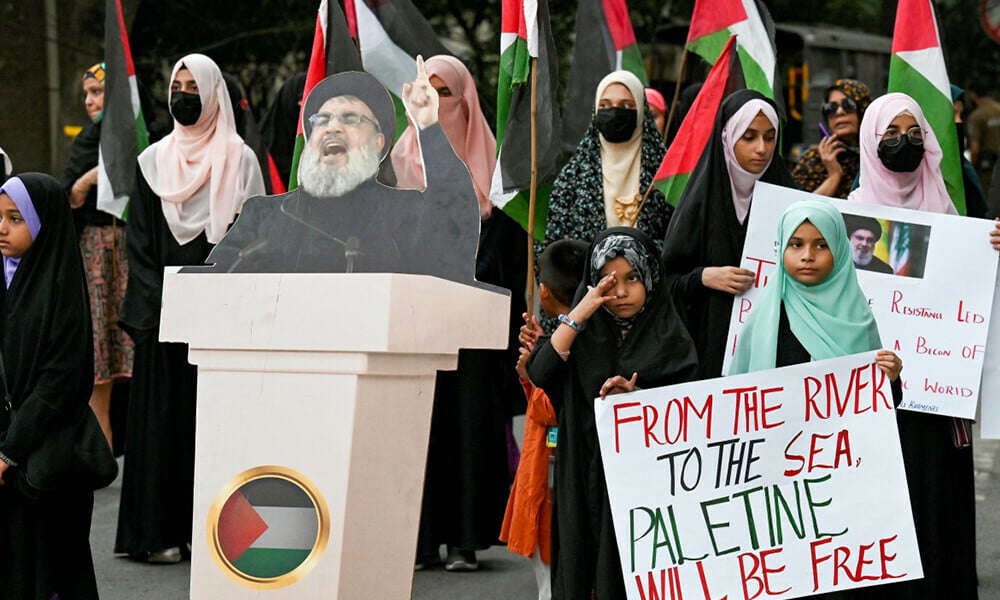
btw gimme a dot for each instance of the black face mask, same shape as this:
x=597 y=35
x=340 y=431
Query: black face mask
x=185 y=107
x=616 y=124
x=960 y=130
x=900 y=155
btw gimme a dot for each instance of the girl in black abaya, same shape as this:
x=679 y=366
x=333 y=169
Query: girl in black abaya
x=704 y=242
x=623 y=332
x=48 y=357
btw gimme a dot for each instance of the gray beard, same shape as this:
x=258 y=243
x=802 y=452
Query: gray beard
x=861 y=258
x=323 y=181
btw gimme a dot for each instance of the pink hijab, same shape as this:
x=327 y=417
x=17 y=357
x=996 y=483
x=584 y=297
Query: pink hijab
x=741 y=181
x=922 y=189
x=210 y=151
x=466 y=128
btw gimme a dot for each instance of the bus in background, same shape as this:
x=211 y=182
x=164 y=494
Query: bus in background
x=810 y=59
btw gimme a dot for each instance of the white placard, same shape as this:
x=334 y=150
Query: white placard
x=780 y=483
x=935 y=316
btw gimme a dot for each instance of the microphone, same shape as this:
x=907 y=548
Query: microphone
x=351 y=251
x=247 y=250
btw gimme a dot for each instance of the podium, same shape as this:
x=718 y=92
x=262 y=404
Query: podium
x=314 y=407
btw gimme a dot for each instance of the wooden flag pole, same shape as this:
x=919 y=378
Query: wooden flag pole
x=677 y=88
x=670 y=118
x=532 y=190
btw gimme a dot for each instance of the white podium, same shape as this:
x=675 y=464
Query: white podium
x=314 y=409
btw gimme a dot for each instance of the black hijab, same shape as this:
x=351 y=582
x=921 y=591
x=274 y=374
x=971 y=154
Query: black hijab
x=705 y=232
x=281 y=123
x=656 y=346
x=48 y=347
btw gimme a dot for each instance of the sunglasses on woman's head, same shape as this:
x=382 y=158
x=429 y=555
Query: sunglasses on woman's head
x=848 y=104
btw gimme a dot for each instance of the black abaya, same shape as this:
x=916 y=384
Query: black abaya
x=158 y=477
x=584 y=549
x=468 y=478
x=705 y=232
x=48 y=354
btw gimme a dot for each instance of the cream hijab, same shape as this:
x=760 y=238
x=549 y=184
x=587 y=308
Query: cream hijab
x=465 y=126
x=621 y=163
x=179 y=166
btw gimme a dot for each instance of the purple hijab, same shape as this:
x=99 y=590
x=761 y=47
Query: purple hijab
x=14 y=188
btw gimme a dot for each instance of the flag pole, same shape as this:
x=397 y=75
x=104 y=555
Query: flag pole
x=677 y=89
x=532 y=192
x=670 y=118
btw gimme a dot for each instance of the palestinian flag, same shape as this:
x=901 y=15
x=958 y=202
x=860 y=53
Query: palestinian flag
x=605 y=42
x=525 y=34
x=712 y=24
x=390 y=34
x=123 y=128
x=333 y=51
x=917 y=69
x=683 y=154
x=267 y=528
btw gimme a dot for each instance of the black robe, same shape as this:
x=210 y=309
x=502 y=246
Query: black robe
x=705 y=232
x=48 y=355
x=158 y=477
x=278 y=129
x=876 y=265
x=468 y=480
x=658 y=348
x=385 y=230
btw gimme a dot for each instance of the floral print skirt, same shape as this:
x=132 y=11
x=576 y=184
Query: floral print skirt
x=103 y=250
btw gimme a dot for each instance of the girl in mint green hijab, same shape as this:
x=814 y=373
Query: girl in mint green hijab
x=815 y=295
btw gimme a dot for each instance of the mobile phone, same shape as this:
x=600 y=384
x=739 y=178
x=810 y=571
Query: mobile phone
x=824 y=130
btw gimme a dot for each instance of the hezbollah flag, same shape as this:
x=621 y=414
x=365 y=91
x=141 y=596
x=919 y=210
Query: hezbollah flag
x=332 y=52
x=525 y=34
x=683 y=154
x=605 y=42
x=917 y=69
x=712 y=24
x=123 y=128
x=267 y=528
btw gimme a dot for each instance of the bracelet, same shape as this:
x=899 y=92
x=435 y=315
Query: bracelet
x=7 y=460
x=566 y=320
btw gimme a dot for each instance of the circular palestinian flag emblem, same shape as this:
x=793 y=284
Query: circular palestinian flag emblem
x=268 y=528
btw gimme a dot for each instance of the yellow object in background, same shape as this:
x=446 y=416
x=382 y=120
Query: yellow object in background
x=71 y=131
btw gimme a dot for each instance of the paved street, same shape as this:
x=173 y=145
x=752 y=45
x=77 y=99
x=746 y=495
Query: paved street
x=502 y=576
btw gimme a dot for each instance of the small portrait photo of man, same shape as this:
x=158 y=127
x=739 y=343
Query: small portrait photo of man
x=864 y=233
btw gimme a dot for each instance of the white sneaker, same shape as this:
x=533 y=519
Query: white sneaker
x=167 y=556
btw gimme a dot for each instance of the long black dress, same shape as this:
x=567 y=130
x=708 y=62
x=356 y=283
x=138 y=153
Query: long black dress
x=705 y=232
x=658 y=348
x=158 y=478
x=48 y=355
x=468 y=478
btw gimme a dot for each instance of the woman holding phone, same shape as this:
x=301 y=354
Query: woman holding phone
x=830 y=167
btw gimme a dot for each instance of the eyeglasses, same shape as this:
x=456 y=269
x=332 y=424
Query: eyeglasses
x=351 y=119
x=848 y=104
x=893 y=136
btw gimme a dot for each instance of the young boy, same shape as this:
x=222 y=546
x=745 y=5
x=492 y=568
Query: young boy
x=527 y=524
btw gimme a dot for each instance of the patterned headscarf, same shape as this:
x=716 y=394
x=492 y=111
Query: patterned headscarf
x=95 y=72
x=855 y=90
x=632 y=250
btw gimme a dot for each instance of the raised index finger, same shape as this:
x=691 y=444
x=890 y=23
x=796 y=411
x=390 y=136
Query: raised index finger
x=421 y=70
